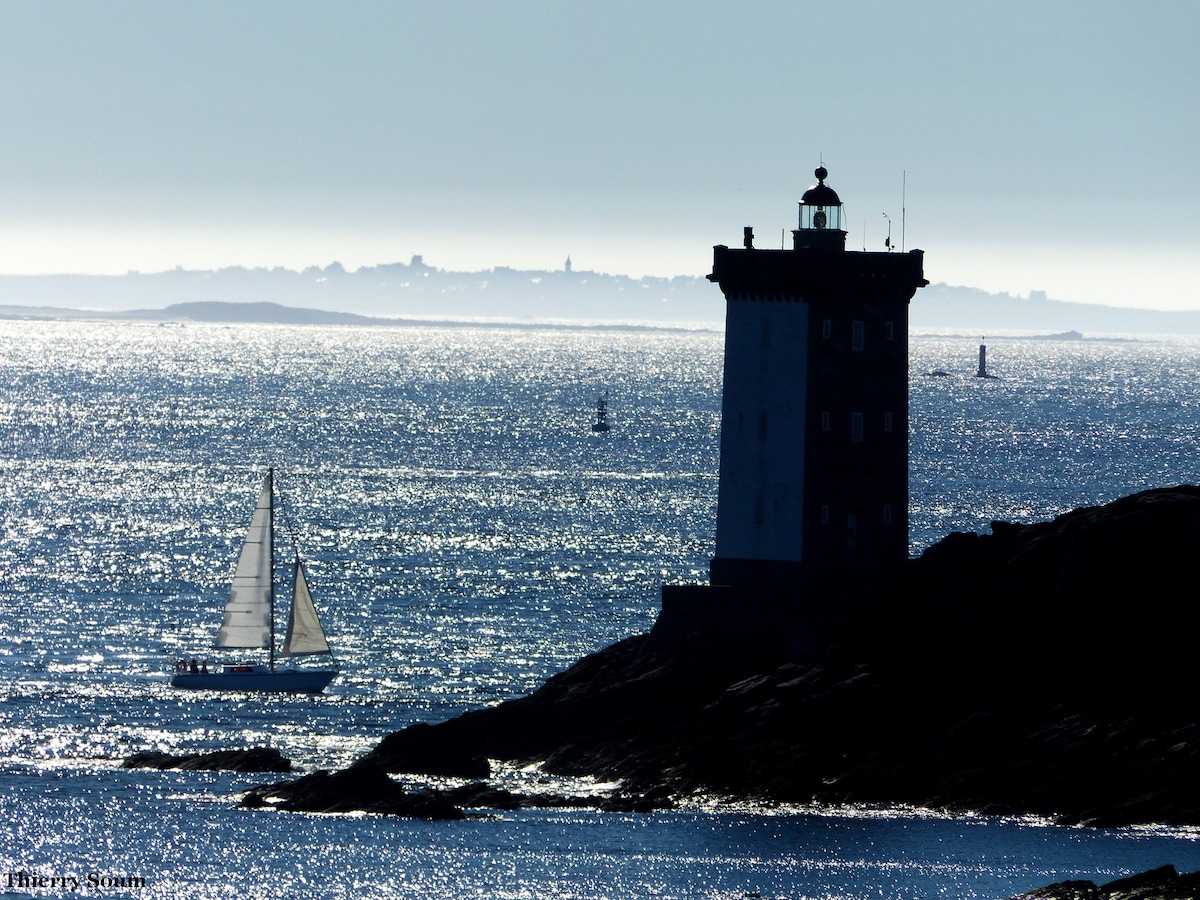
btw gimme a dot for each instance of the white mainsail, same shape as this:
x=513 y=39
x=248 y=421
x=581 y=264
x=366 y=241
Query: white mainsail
x=250 y=614
x=247 y=621
x=305 y=636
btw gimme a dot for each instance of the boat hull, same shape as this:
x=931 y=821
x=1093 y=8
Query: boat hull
x=256 y=678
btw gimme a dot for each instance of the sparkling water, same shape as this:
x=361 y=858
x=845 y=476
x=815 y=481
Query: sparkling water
x=467 y=535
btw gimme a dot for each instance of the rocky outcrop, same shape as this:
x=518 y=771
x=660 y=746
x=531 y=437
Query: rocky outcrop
x=364 y=787
x=1158 y=884
x=1043 y=668
x=360 y=788
x=254 y=759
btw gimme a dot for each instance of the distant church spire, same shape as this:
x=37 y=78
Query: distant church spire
x=567 y=265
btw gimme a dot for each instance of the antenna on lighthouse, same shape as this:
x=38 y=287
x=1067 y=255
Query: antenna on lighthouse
x=903 y=191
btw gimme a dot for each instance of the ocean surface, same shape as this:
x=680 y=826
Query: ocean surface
x=467 y=535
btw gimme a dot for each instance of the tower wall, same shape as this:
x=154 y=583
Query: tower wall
x=814 y=432
x=760 y=506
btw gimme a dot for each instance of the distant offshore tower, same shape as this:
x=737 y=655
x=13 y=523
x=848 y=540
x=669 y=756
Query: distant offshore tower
x=814 y=416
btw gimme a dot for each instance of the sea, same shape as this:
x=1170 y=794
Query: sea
x=467 y=535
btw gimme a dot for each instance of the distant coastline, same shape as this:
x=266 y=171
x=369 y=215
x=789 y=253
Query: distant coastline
x=277 y=314
x=393 y=291
x=1060 y=336
x=266 y=313
x=415 y=292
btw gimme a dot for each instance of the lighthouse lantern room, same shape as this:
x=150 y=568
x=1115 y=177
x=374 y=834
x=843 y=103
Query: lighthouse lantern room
x=820 y=217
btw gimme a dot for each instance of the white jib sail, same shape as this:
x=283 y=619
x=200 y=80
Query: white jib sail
x=304 y=633
x=247 y=621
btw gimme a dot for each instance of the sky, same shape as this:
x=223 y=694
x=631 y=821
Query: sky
x=1050 y=146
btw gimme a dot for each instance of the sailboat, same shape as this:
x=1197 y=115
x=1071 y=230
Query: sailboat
x=249 y=621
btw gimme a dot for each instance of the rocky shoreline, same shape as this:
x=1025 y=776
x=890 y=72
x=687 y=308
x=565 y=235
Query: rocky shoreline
x=1158 y=884
x=1042 y=669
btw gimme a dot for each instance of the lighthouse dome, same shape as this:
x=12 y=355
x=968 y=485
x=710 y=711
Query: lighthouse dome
x=821 y=194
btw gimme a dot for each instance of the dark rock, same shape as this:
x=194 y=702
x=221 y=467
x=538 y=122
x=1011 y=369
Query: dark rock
x=1064 y=890
x=364 y=787
x=254 y=759
x=1158 y=884
x=360 y=788
x=1044 y=668
x=422 y=748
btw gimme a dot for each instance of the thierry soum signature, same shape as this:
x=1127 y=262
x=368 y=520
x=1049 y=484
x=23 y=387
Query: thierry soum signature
x=93 y=881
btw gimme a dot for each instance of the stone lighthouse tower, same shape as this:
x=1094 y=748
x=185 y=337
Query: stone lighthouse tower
x=814 y=418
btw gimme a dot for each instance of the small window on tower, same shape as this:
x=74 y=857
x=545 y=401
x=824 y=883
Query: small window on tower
x=856 y=427
x=887 y=514
x=826 y=329
x=824 y=420
x=887 y=421
x=824 y=513
x=856 y=336
x=889 y=331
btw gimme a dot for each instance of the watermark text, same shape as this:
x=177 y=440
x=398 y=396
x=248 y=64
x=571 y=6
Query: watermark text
x=92 y=881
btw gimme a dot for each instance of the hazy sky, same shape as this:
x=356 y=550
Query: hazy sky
x=1051 y=145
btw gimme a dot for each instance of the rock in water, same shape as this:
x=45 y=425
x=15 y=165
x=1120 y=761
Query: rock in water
x=360 y=788
x=254 y=759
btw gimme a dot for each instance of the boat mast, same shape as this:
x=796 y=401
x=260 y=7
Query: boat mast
x=271 y=557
